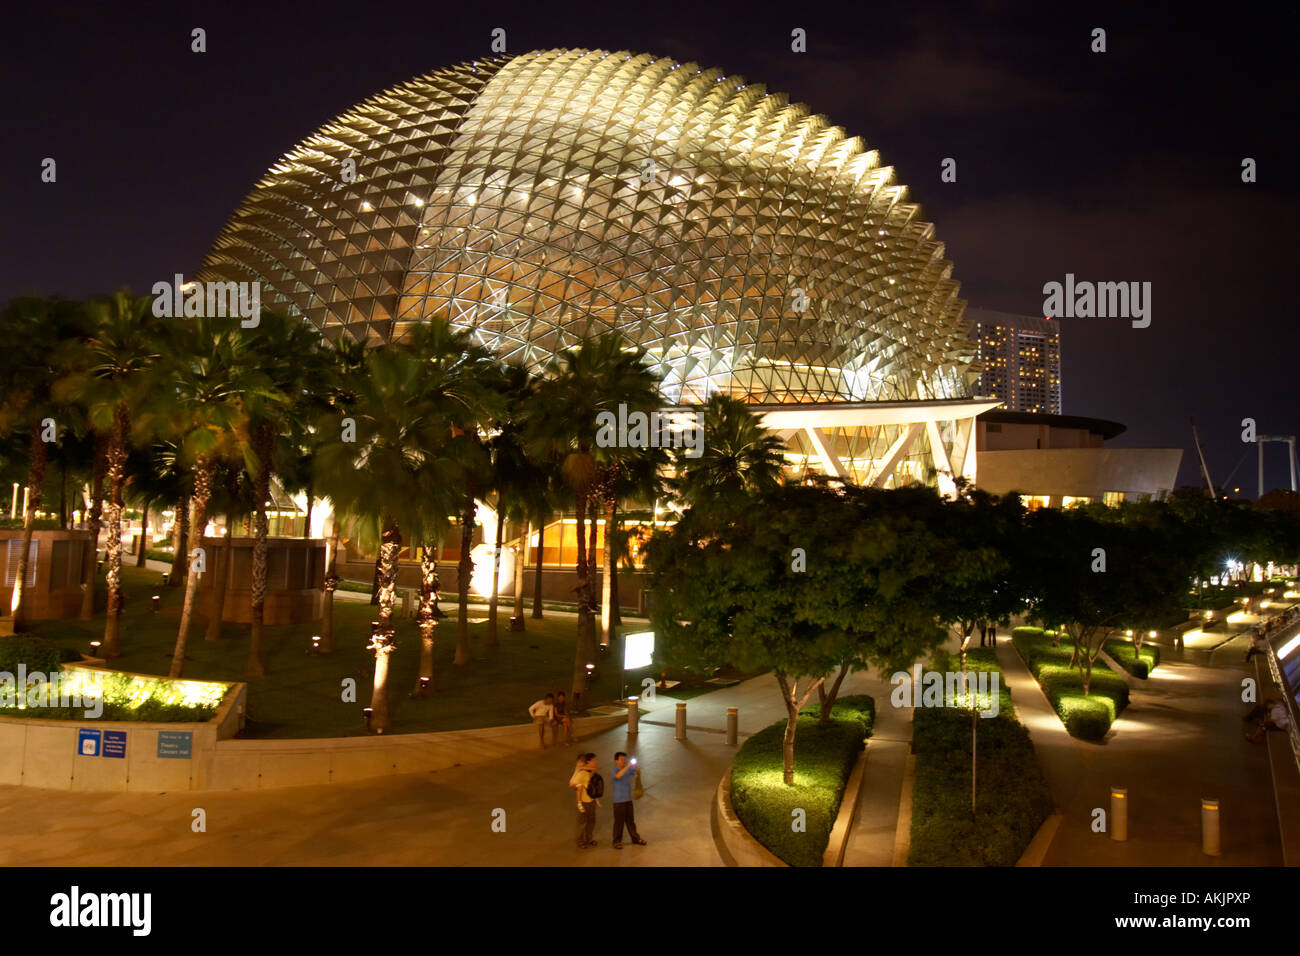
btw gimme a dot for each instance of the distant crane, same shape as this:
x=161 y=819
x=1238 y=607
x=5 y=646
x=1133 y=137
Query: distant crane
x=1290 y=441
x=1196 y=434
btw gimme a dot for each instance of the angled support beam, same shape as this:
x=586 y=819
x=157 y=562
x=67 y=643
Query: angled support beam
x=942 y=464
x=963 y=449
x=897 y=452
x=830 y=461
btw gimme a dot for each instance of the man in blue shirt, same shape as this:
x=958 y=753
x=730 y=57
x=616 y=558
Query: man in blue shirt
x=625 y=772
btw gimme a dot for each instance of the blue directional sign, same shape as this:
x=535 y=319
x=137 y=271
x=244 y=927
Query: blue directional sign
x=88 y=742
x=175 y=744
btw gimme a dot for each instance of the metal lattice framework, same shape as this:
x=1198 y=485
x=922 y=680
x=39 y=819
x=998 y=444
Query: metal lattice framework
x=747 y=244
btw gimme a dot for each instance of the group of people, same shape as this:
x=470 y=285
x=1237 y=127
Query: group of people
x=989 y=633
x=1259 y=634
x=552 y=711
x=589 y=787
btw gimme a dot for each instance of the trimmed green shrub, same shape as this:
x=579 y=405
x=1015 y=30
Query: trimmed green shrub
x=824 y=758
x=1088 y=718
x=1126 y=655
x=36 y=653
x=1013 y=799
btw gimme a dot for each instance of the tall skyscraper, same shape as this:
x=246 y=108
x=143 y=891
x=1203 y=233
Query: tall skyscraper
x=1021 y=356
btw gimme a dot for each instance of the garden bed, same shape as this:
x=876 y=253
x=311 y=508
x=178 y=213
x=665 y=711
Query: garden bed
x=1088 y=718
x=1012 y=798
x=824 y=758
x=1138 y=663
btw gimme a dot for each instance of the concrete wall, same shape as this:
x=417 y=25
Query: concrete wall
x=44 y=753
x=295 y=572
x=1080 y=472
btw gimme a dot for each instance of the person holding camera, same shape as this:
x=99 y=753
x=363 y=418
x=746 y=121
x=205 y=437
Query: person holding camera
x=625 y=775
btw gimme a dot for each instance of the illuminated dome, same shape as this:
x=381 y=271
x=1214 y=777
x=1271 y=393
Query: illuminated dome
x=747 y=244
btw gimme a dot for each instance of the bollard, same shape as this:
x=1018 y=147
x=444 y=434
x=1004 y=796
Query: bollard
x=1118 y=814
x=681 y=720
x=631 y=715
x=1209 y=827
x=733 y=726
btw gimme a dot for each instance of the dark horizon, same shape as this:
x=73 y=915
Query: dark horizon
x=1116 y=166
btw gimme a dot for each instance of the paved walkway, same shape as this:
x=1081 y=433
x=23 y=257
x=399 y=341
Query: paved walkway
x=442 y=818
x=1180 y=739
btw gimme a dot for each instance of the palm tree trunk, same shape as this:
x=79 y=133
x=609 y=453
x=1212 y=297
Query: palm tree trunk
x=144 y=535
x=381 y=642
x=223 y=584
x=202 y=493
x=578 y=691
x=35 y=478
x=593 y=526
x=113 y=552
x=311 y=501
x=607 y=577
x=493 y=638
x=428 y=624
x=331 y=582
x=517 y=620
x=180 y=542
x=537 y=571
x=63 y=493
x=261 y=490
x=465 y=571
x=96 y=512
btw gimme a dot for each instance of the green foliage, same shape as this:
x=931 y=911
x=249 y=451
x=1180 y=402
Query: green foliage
x=1013 y=798
x=36 y=653
x=859 y=709
x=824 y=758
x=1127 y=656
x=1088 y=718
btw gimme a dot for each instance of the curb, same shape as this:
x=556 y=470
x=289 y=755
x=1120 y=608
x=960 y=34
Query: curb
x=744 y=849
x=903 y=832
x=833 y=855
x=1037 y=849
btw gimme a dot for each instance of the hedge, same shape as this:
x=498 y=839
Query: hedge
x=1088 y=718
x=1125 y=654
x=1012 y=801
x=824 y=758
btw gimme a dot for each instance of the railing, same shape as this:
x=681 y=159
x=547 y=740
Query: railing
x=1276 y=640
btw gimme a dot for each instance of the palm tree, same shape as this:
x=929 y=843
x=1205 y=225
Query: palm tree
x=210 y=385
x=37 y=335
x=407 y=470
x=519 y=481
x=740 y=456
x=115 y=374
x=287 y=350
x=600 y=375
x=634 y=478
x=343 y=368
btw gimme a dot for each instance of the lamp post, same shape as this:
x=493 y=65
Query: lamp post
x=13 y=508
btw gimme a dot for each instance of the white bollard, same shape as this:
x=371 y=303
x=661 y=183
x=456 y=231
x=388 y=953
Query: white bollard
x=733 y=726
x=631 y=715
x=1209 y=827
x=681 y=720
x=1119 y=814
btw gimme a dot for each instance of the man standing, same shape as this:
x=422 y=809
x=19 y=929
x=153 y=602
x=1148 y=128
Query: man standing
x=581 y=781
x=624 y=775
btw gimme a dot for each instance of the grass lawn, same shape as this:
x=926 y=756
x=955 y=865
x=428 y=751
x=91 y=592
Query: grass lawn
x=1126 y=655
x=1012 y=798
x=1088 y=718
x=823 y=760
x=301 y=696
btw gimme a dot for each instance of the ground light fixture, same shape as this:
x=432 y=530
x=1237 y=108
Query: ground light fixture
x=315 y=644
x=154 y=601
x=163 y=582
x=367 y=713
x=94 y=648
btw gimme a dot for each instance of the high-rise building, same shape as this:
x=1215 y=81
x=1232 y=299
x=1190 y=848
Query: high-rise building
x=1021 y=360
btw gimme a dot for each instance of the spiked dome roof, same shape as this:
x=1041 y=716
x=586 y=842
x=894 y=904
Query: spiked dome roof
x=747 y=244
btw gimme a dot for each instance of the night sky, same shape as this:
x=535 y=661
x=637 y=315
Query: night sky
x=1115 y=166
